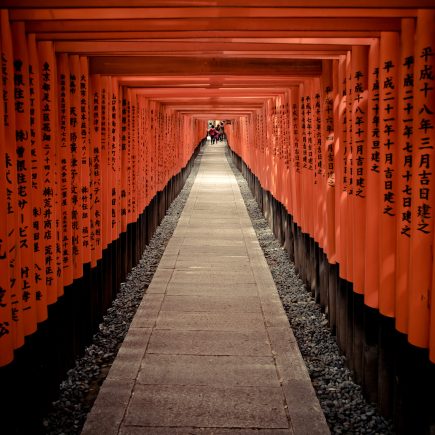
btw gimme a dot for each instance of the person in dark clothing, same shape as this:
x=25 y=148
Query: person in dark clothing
x=213 y=134
x=218 y=133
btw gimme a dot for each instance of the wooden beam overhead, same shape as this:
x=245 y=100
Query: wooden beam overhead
x=192 y=47
x=224 y=101
x=198 y=108
x=148 y=13
x=209 y=93
x=354 y=4
x=208 y=24
x=348 y=35
x=199 y=83
x=142 y=66
x=219 y=43
x=214 y=114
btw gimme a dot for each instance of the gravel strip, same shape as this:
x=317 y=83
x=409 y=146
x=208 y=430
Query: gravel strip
x=345 y=408
x=79 y=390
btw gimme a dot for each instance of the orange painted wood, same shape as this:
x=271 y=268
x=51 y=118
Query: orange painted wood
x=83 y=142
x=124 y=151
x=134 y=187
x=404 y=168
x=388 y=103
x=297 y=155
x=371 y=279
x=7 y=331
x=147 y=148
x=359 y=98
x=97 y=170
x=304 y=93
x=57 y=172
x=430 y=99
x=195 y=47
x=310 y=200
x=348 y=36
x=137 y=157
x=39 y=242
x=286 y=154
x=76 y=165
x=65 y=182
x=338 y=167
x=329 y=93
x=148 y=13
x=129 y=158
x=318 y=164
x=141 y=156
x=161 y=70
x=106 y=148
x=269 y=172
x=421 y=261
x=50 y=159
x=221 y=82
x=342 y=162
x=115 y=157
x=170 y=66
x=222 y=3
x=26 y=279
x=348 y=178
x=224 y=23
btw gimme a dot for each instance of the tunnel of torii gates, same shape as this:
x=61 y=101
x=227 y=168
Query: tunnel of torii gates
x=331 y=107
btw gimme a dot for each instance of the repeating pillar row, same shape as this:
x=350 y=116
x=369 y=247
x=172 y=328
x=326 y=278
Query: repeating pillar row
x=81 y=158
x=350 y=155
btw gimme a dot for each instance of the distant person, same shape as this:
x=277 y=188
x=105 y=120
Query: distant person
x=221 y=132
x=213 y=134
x=218 y=133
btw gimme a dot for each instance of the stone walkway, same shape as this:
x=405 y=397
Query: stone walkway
x=210 y=349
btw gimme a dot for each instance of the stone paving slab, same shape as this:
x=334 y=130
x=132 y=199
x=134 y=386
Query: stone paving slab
x=224 y=251
x=219 y=321
x=127 y=363
x=210 y=350
x=205 y=214
x=227 y=263
x=206 y=262
x=227 y=223
x=221 y=254
x=109 y=407
x=211 y=288
x=215 y=209
x=172 y=342
x=205 y=276
x=206 y=406
x=135 y=430
x=208 y=370
x=194 y=242
x=219 y=233
x=196 y=303
x=212 y=221
x=220 y=198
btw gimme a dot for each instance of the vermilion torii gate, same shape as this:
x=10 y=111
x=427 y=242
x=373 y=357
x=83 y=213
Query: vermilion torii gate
x=332 y=109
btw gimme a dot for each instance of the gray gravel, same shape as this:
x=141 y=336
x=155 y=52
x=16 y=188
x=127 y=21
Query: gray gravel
x=346 y=410
x=79 y=390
